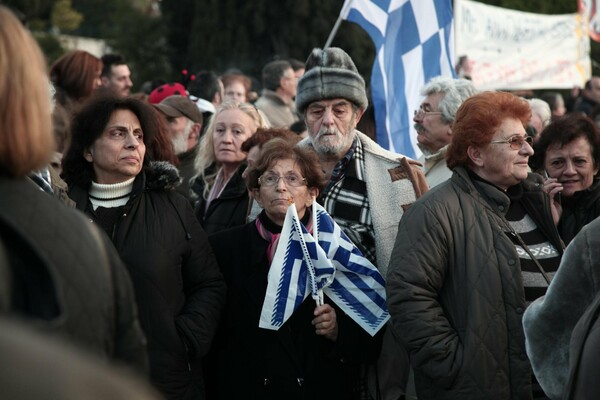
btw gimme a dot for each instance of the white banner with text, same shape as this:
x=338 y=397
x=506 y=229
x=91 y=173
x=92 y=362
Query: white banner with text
x=514 y=50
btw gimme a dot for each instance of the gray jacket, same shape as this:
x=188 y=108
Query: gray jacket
x=549 y=321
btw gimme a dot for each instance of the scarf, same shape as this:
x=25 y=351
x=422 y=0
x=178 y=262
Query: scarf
x=271 y=232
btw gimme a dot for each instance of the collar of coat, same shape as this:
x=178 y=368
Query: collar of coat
x=159 y=175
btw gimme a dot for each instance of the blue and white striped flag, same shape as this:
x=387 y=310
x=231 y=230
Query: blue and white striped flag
x=414 y=42
x=331 y=265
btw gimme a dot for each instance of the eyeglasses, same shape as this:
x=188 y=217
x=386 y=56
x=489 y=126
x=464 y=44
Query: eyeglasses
x=292 y=180
x=516 y=141
x=422 y=113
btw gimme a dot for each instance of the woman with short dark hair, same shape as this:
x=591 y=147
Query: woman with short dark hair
x=317 y=352
x=568 y=155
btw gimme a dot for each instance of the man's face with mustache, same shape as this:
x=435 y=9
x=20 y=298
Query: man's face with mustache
x=331 y=125
x=432 y=130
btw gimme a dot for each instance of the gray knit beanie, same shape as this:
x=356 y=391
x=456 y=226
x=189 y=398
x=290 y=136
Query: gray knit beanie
x=330 y=74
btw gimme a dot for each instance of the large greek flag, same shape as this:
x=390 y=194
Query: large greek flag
x=324 y=263
x=414 y=43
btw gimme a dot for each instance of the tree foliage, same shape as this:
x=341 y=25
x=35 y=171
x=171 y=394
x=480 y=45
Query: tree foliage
x=64 y=17
x=235 y=34
x=224 y=34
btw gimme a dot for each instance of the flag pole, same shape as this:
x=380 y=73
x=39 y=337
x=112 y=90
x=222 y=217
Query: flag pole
x=342 y=15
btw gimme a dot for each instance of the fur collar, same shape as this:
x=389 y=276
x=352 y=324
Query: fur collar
x=162 y=175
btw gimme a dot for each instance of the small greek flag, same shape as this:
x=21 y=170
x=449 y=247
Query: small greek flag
x=329 y=265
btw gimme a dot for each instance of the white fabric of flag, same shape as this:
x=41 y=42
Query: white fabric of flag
x=413 y=42
x=327 y=263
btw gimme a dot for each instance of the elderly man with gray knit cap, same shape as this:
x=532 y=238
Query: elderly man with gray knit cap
x=433 y=123
x=369 y=187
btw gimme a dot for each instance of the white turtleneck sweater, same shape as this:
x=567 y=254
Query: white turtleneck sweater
x=110 y=195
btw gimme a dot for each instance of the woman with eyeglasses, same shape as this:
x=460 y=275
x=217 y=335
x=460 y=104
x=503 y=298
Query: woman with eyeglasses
x=469 y=257
x=315 y=354
x=568 y=154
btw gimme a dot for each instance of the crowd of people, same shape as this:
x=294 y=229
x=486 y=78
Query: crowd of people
x=139 y=232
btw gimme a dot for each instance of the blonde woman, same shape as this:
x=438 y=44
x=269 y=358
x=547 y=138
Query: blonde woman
x=223 y=198
x=67 y=279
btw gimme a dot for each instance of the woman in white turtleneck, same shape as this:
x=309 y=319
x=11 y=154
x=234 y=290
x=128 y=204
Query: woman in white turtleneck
x=179 y=289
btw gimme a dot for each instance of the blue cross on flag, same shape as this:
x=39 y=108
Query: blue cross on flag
x=414 y=42
x=330 y=265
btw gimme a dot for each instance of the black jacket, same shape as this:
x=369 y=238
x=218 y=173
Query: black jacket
x=455 y=289
x=226 y=211
x=67 y=276
x=293 y=362
x=179 y=289
x=579 y=210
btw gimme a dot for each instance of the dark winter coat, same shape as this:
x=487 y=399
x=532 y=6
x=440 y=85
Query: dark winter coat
x=579 y=210
x=585 y=105
x=455 y=291
x=67 y=276
x=226 y=211
x=179 y=289
x=293 y=362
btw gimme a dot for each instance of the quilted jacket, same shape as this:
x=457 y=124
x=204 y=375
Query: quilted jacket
x=455 y=291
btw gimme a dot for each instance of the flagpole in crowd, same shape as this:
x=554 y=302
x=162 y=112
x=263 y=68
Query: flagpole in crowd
x=343 y=13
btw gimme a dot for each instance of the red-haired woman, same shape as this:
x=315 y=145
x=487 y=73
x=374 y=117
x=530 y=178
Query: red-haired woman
x=469 y=257
x=75 y=76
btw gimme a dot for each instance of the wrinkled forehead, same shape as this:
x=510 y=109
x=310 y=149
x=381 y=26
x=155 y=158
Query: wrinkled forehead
x=339 y=102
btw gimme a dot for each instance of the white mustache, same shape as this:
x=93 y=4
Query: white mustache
x=327 y=131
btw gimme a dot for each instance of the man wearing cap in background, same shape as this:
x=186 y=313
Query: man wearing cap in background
x=184 y=119
x=369 y=187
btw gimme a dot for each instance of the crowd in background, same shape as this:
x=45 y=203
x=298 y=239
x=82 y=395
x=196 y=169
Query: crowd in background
x=138 y=230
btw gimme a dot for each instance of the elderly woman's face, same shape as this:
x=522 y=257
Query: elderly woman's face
x=572 y=165
x=500 y=163
x=118 y=154
x=232 y=128
x=281 y=185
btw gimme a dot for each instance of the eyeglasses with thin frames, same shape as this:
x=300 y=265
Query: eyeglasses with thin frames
x=291 y=180
x=422 y=113
x=516 y=141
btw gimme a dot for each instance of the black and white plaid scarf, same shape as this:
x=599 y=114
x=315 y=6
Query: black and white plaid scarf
x=345 y=199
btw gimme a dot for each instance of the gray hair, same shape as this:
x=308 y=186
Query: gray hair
x=542 y=109
x=454 y=91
